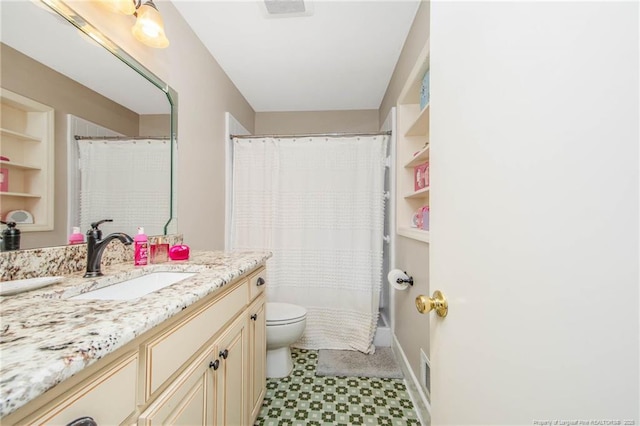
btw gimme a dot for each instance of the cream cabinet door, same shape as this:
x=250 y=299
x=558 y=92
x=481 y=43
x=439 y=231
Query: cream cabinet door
x=257 y=356
x=189 y=400
x=232 y=375
x=168 y=351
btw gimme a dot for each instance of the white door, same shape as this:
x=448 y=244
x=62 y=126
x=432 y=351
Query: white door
x=534 y=203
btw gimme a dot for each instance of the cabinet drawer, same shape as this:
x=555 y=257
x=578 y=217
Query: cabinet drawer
x=257 y=283
x=108 y=397
x=171 y=349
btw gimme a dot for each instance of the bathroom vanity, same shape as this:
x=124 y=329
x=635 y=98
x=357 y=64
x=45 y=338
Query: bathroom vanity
x=190 y=353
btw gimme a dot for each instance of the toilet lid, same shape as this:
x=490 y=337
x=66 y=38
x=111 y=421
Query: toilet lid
x=284 y=313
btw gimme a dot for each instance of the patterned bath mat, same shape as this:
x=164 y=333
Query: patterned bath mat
x=356 y=364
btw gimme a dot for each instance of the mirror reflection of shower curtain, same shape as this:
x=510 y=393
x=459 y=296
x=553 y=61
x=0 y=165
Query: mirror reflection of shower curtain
x=127 y=181
x=318 y=204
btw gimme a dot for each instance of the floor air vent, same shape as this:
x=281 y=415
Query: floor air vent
x=425 y=375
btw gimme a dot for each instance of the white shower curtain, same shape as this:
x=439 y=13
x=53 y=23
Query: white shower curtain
x=127 y=181
x=318 y=204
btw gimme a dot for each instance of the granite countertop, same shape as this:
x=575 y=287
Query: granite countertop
x=46 y=338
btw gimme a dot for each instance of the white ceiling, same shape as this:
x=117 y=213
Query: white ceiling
x=340 y=57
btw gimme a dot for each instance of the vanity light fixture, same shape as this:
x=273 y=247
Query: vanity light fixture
x=149 y=26
x=125 y=7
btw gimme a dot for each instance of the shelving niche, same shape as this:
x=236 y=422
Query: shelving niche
x=412 y=149
x=27 y=139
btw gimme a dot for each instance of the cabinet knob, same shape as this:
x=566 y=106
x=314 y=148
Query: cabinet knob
x=260 y=281
x=215 y=364
x=254 y=317
x=83 y=421
x=224 y=354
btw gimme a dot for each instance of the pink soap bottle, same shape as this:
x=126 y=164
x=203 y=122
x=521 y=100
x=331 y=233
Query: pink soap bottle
x=141 y=248
x=76 y=236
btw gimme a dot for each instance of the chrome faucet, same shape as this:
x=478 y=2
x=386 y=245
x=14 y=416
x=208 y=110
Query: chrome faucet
x=96 y=246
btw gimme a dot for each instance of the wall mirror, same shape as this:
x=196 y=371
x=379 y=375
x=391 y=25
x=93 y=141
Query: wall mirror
x=52 y=57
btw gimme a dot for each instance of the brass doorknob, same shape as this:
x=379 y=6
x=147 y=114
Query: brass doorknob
x=436 y=303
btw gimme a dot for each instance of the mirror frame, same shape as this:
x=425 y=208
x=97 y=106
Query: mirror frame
x=81 y=24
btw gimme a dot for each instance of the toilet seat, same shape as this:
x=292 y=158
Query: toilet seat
x=284 y=313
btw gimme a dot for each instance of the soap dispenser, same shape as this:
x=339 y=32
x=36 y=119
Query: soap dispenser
x=141 y=248
x=76 y=236
x=10 y=237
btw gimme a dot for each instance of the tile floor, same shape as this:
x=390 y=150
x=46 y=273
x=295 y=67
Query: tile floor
x=306 y=399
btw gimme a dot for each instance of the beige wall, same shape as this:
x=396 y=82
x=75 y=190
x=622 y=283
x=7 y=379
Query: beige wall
x=269 y=123
x=24 y=76
x=204 y=94
x=155 y=125
x=410 y=327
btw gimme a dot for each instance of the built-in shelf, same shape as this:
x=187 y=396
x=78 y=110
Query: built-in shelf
x=420 y=126
x=27 y=140
x=410 y=93
x=419 y=158
x=18 y=135
x=415 y=233
x=421 y=193
x=412 y=149
x=18 y=165
x=19 y=194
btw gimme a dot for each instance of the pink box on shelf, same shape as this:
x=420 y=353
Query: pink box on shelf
x=4 y=179
x=421 y=176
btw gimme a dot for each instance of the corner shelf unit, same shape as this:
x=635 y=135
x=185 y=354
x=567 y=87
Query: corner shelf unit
x=412 y=149
x=27 y=140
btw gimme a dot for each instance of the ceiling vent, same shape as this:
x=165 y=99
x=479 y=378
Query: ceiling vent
x=287 y=8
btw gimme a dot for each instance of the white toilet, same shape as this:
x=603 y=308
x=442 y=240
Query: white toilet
x=285 y=325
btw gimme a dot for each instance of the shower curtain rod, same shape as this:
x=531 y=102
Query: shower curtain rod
x=119 y=138
x=303 y=135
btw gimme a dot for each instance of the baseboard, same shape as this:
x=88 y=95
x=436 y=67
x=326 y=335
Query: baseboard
x=418 y=397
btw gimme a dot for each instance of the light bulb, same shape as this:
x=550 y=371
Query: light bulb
x=149 y=27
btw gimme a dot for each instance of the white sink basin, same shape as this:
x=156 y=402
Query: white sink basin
x=135 y=287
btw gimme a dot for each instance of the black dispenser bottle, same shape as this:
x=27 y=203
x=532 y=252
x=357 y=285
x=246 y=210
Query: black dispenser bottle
x=10 y=237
